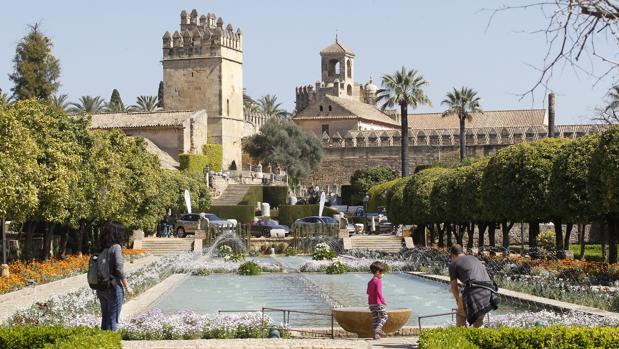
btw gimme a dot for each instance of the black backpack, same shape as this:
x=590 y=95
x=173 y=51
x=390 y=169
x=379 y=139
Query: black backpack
x=99 y=266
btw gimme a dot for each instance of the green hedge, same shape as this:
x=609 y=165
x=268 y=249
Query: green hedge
x=559 y=337
x=253 y=195
x=242 y=213
x=34 y=337
x=378 y=194
x=215 y=156
x=275 y=195
x=192 y=162
x=347 y=192
x=290 y=213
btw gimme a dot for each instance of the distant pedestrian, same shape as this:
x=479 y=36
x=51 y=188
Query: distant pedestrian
x=112 y=262
x=376 y=301
x=479 y=296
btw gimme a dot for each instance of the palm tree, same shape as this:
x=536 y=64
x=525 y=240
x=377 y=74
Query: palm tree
x=145 y=104
x=462 y=103
x=403 y=88
x=87 y=104
x=268 y=105
x=249 y=104
x=60 y=102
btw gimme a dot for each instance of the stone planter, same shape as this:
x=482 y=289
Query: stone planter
x=359 y=320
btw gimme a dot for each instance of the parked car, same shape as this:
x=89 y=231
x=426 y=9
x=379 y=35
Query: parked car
x=187 y=224
x=218 y=222
x=317 y=219
x=263 y=227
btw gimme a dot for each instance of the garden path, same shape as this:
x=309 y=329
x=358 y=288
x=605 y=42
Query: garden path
x=24 y=298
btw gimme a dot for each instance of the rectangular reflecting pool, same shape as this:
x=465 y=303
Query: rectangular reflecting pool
x=311 y=292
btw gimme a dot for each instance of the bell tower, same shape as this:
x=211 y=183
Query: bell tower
x=337 y=65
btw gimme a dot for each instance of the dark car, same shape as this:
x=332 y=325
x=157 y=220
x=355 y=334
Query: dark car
x=263 y=227
x=317 y=219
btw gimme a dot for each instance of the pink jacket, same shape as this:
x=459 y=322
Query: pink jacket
x=375 y=291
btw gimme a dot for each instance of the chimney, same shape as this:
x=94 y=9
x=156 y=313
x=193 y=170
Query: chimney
x=551 y=114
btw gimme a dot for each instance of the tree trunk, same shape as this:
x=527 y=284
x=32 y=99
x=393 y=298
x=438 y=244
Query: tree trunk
x=492 y=235
x=28 y=248
x=482 y=230
x=441 y=233
x=404 y=142
x=558 y=237
x=47 y=240
x=568 y=235
x=462 y=137
x=470 y=230
x=533 y=232
x=3 y=237
x=506 y=228
x=64 y=240
x=79 y=238
x=418 y=237
x=581 y=234
x=86 y=244
x=612 y=240
x=460 y=234
x=449 y=233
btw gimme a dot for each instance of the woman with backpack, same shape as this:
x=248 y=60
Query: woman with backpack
x=112 y=283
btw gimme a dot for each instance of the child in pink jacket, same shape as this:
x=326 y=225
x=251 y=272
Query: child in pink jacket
x=375 y=299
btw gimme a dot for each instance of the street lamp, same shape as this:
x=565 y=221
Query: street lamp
x=366 y=199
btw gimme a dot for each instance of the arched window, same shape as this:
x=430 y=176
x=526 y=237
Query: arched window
x=330 y=108
x=227 y=107
x=349 y=90
x=321 y=108
x=349 y=69
x=333 y=67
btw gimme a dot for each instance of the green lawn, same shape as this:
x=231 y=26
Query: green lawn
x=592 y=252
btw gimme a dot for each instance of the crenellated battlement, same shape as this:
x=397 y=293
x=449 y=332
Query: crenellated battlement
x=304 y=96
x=199 y=36
x=451 y=137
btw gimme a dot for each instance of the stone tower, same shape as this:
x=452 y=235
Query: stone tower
x=338 y=68
x=203 y=69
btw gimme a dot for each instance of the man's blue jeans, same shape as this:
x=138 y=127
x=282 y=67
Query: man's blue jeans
x=111 y=302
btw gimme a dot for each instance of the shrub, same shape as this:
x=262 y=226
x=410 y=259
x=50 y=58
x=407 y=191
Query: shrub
x=242 y=213
x=214 y=155
x=546 y=239
x=249 y=268
x=346 y=192
x=193 y=163
x=362 y=180
x=253 y=195
x=337 y=267
x=275 y=195
x=378 y=195
x=34 y=337
x=228 y=254
x=508 y=337
x=280 y=248
x=322 y=251
x=290 y=213
x=291 y=251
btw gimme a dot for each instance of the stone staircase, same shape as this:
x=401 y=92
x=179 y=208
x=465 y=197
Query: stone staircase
x=165 y=246
x=232 y=195
x=374 y=242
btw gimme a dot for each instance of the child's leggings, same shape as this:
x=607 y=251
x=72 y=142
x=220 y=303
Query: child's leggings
x=379 y=316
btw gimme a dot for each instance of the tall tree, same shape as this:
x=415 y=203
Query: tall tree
x=268 y=105
x=145 y=104
x=36 y=70
x=88 y=104
x=160 y=103
x=403 y=88
x=610 y=113
x=116 y=104
x=249 y=104
x=282 y=142
x=4 y=98
x=462 y=103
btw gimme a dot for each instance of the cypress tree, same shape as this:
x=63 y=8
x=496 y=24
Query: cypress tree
x=116 y=103
x=160 y=95
x=36 y=70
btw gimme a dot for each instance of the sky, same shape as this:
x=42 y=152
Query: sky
x=110 y=44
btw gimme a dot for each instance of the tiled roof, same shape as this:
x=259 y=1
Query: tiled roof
x=336 y=47
x=132 y=120
x=494 y=118
x=349 y=109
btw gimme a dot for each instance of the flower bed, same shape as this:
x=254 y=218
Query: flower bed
x=40 y=272
x=546 y=318
x=504 y=338
x=218 y=266
x=351 y=265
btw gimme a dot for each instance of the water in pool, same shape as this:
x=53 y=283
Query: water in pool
x=309 y=292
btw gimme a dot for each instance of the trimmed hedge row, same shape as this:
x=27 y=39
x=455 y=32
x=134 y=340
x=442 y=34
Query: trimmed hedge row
x=215 y=156
x=275 y=195
x=559 y=337
x=35 y=337
x=290 y=213
x=378 y=194
x=242 y=213
x=253 y=195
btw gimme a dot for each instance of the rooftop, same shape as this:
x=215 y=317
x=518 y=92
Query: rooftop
x=133 y=120
x=490 y=118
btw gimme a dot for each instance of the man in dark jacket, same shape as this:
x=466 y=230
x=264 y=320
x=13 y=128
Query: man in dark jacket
x=476 y=299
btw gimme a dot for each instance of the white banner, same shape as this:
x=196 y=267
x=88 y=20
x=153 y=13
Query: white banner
x=322 y=203
x=187 y=201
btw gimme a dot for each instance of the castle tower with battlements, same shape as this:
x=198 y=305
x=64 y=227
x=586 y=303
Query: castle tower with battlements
x=203 y=70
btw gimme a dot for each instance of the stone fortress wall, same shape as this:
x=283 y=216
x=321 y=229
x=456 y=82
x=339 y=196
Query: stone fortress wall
x=364 y=149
